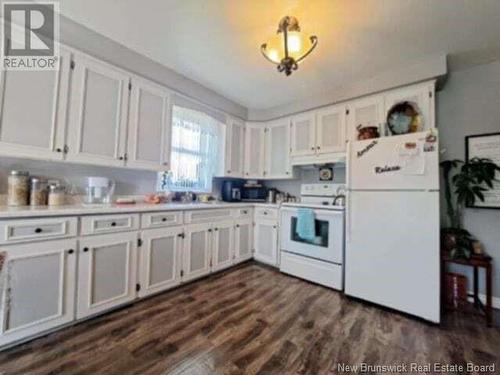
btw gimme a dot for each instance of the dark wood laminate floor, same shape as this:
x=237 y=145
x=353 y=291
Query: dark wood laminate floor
x=250 y=320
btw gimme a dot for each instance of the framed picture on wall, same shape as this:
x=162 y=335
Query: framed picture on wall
x=485 y=146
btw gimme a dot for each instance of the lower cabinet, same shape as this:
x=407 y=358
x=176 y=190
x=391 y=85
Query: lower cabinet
x=243 y=240
x=160 y=260
x=196 y=254
x=38 y=288
x=266 y=241
x=222 y=245
x=107 y=271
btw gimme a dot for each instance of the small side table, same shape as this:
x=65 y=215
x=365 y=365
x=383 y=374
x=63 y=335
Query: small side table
x=476 y=262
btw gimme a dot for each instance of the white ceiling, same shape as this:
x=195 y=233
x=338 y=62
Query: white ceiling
x=216 y=42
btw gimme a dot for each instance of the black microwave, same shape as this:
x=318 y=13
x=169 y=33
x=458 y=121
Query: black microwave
x=257 y=193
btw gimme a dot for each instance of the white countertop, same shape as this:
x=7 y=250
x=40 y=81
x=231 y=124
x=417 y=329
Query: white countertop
x=7 y=212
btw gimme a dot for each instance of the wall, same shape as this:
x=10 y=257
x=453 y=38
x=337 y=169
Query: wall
x=128 y=182
x=306 y=176
x=470 y=104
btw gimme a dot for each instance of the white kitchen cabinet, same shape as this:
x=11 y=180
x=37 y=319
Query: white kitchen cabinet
x=196 y=255
x=421 y=94
x=365 y=112
x=235 y=148
x=149 y=126
x=222 y=245
x=330 y=129
x=254 y=150
x=38 y=291
x=33 y=108
x=160 y=260
x=107 y=268
x=277 y=150
x=303 y=134
x=243 y=240
x=98 y=113
x=266 y=241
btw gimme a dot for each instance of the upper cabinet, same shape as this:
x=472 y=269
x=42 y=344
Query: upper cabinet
x=33 y=107
x=420 y=95
x=98 y=113
x=318 y=136
x=254 y=150
x=365 y=112
x=277 y=150
x=303 y=134
x=372 y=111
x=267 y=150
x=149 y=130
x=235 y=148
x=330 y=129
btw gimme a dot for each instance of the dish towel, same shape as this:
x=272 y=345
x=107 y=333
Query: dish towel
x=305 y=224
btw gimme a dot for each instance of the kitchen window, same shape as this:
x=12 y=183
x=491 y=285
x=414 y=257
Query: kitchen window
x=197 y=141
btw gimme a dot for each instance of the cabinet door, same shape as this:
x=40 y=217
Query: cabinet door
x=254 y=150
x=149 y=126
x=38 y=291
x=33 y=107
x=278 y=150
x=196 y=255
x=303 y=137
x=159 y=260
x=266 y=242
x=107 y=268
x=422 y=95
x=98 y=113
x=222 y=245
x=365 y=112
x=235 y=148
x=330 y=129
x=243 y=240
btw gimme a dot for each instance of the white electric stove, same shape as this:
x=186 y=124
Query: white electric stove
x=321 y=259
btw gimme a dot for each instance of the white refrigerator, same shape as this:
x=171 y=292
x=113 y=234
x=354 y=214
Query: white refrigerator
x=393 y=231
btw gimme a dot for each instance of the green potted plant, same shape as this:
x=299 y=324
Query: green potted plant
x=464 y=182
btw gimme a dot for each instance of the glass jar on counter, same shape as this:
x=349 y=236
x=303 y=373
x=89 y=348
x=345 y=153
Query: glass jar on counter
x=57 y=195
x=38 y=192
x=18 y=188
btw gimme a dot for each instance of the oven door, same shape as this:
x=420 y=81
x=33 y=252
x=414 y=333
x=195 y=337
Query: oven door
x=329 y=242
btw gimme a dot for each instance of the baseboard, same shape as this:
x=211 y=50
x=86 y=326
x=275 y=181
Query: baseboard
x=495 y=301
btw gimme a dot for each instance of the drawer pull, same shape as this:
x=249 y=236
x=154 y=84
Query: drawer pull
x=163 y=219
x=216 y=229
x=265 y=212
x=237 y=225
x=71 y=251
x=85 y=249
x=38 y=230
x=113 y=224
x=245 y=212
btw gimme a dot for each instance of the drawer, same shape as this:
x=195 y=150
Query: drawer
x=266 y=213
x=14 y=231
x=161 y=219
x=207 y=216
x=243 y=213
x=109 y=223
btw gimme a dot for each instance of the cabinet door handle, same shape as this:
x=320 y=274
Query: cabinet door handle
x=113 y=224
x=59 y=149
x=237 y=225
x=121 y=158
x=163 y=219
x=312 y=148
x=216 y=229
x=318 y=148
x=71 y=251
x=85 y=249
x=210 y=230
x=38 y=230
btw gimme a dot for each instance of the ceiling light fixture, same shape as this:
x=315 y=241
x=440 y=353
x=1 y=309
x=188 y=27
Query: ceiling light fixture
x=287 y=48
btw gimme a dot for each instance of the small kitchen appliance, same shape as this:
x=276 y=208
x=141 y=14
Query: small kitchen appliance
x=231 y=191
x=253 y=192
x=99 y=190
